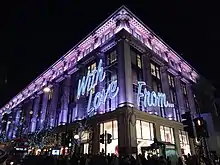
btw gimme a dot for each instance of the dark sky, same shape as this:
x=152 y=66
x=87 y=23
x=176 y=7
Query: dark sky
x=36 y=33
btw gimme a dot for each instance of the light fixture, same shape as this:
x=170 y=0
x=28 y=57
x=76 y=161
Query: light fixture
x=76 y=137
x=46 y=89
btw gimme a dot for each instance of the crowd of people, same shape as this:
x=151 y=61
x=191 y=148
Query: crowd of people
x=101 y=159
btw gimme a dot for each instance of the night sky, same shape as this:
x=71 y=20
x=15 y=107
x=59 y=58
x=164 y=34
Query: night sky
x=36 y=33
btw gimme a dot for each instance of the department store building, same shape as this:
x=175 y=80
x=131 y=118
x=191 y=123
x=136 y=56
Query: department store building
x=123 y=79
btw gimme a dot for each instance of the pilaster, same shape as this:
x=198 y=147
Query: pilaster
x=53 y=105
x=147 y=70
x=191 y=99
x=177 y=140
x=1 y=123
x=127 y=138
x=65 y=100
x=165 y=87
x=43 y=109
x=95 y=138
x=179 y=93
x=124 y=72
x=17 y=121
x=35 y=114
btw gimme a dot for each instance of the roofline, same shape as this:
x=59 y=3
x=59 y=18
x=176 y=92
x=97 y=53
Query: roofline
x=10 y=105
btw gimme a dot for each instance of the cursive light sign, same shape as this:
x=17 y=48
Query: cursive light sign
x=88 y=84
x=151 y=99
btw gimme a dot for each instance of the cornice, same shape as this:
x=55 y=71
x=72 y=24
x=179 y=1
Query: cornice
x=120 y=19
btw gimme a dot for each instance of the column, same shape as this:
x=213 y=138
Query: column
x=35 y=114
x=28 y=116
x=191 y=99
x=147 y=70
x=177 y=140
x=10 y=125
x=124 y=73
x=95 y=138
x=43 y=110
x=127 y=138
x=53 y=105
x=65 y=100
x=17 y=122
x=165 y=87
x=179 y=93
x=1 y=123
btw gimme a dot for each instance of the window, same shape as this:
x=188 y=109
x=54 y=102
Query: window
x=173 y=96
x=166 y=134
x=139 y=61
x=184 y=142
x=155 y=70
x=185 y=97
x=112 y=128
x=112 y=57
x=145 y=134
x=157 y=87
x=90 y=69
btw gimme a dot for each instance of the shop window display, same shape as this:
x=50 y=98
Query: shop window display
x=167 y=134
x=110 y=127
x=184 y=142
x=145 y=134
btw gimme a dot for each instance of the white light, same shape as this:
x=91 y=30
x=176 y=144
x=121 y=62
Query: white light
x=46 y=89
x=11 y=163
x=76 y=137
x=31 y=112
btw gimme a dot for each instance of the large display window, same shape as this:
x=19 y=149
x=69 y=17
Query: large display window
x=110 y=127
x=184 y=142
x=167 y=134
x=145 y=134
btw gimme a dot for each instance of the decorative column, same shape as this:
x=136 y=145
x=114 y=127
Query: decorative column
x=65 y=100
x=124 y=72
x=28 y=116
x=10 y=125
x=179 y=93
x=147 y=78
x=127 y=138
x=35 y=114
x=101 y=85
x=95 y=138
x=147 y=70
x=1 y=122
x=53 y=105
x=17 y=121
x=43 y=110
x=177 y=140
x=191 y=99
x=168 y=112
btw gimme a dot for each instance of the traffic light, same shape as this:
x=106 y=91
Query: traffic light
x=188 y=124
x=109 y=138
x=102 y=138
x=201 y=127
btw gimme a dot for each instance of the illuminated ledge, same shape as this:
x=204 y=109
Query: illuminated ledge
x=121 y=19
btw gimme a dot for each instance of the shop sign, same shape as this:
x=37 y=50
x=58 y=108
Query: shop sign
x=88 y=83
x=151 y=98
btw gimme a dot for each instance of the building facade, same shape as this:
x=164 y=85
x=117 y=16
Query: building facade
x=123 y=79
